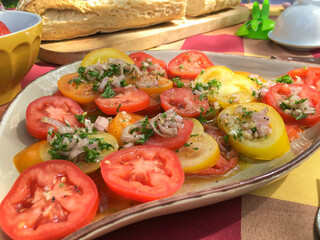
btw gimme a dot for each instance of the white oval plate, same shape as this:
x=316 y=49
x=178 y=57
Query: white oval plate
x=14 y=137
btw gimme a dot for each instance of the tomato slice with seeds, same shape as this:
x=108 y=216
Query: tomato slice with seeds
x=49 y=200
x=188 y=64
x=309 y=76
x=280 y=91
x=176 y=142
x=143 y=173
x=140 y=57
x=154 y=107
x=184 y=102
x=56 y=107
x=82 y=93
x=126 y=99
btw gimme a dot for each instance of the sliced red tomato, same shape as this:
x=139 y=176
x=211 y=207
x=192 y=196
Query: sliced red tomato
x=154 y=107
x=153 y=63
x=49 y=200
x=143 y=173
x=57 y=107
x=82 y=93
x=126 y=99
x=176 y=142
x=309 y=76
x=228 y=156
x=278 y=92
x=223 y=166
x=4 y=29
x=184 y=102
x=188 y=64
x=293 y=131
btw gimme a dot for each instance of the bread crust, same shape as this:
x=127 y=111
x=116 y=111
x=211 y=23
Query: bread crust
x=200 y=7
x=66 y=19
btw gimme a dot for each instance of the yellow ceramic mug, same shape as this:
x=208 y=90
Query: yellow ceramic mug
x=18 y=50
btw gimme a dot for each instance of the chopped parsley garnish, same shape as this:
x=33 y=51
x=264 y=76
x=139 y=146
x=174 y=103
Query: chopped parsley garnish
x=108 y=92
x=118 y=108
x=81 y=117
x=177 y=81
x=226 y=139
x=284 y=79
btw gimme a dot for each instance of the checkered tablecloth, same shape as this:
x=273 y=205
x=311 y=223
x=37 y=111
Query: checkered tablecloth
x=283 y=210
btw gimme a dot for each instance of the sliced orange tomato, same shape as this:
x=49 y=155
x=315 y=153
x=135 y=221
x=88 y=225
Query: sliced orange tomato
x=230 y=88
x=274 y=145
x=163 y=85
x=120 y=121
x=28 y=156
x=102 y=55
x=39 y=152
x=200 y=152
x=82 y=93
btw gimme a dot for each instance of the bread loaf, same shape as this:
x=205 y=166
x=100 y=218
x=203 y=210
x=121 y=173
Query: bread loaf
x=200 y=7
x=65 y=19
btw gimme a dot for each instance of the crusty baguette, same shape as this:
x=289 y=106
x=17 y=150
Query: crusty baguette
x=65 y=19
x=200 y=7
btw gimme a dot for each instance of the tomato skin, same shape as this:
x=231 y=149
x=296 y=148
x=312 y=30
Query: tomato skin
x=184 y=102
x=139 y=57
x=274 y=145
x=131 y=100
x=82 y=93
x=163 y=85
x=223 y=166
x=280 y=90
x=120 y=121
x=154 y=107
x=57 y=107
x=233 y=89
x=200 y=152
x=70 y=203
x=188 y=64
x=102 y=55
x=173 y=143
x=28 y=156
x=309 y=76
x=143 y=173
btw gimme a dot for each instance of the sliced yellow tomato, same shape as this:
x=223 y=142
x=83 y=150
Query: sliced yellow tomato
x=197 y=126
x=120 y=121
x=81 y=93
x=86 y=167
x=103 y=54
x=248 y=74
x=163 y=85
x=274 y=145
x=28 y=156
x=200 y=152
x=230 y=89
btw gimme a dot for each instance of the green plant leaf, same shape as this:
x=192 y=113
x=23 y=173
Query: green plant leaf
x=243 y=30
x=255 y=24
x=265 y=9
x=255 y=10
x=267 y=24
